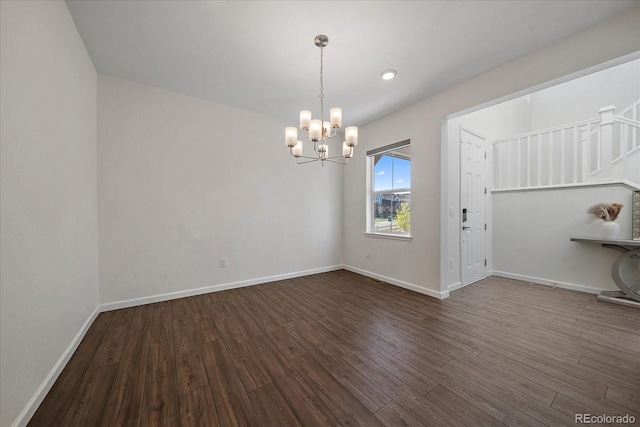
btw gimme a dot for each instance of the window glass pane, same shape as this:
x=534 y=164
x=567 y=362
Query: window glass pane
x=391 y=198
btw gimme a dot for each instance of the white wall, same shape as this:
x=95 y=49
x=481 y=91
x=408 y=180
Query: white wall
x=404 y=262
x=183 y=182
x=532 y=231
x=581 y=99
x=48 y=202
x=423 y=261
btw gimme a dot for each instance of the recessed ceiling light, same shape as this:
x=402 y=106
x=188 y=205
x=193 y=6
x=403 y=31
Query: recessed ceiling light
x=388 y=74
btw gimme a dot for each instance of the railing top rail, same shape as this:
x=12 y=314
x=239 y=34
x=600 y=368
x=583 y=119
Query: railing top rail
x=629 y=108
x=618 y=182
x=626 y=121
x=551 y=129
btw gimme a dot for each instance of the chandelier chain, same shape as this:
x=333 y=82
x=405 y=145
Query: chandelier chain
x=322 y=85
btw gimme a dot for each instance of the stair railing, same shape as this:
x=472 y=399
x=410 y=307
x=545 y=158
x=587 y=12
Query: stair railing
x=574 y=153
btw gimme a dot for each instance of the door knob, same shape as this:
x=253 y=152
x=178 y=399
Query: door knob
x=464 y=227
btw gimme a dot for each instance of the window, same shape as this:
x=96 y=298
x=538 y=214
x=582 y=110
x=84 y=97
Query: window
x=389 y=190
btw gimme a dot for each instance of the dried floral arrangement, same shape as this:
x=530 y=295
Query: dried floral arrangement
x=605 y=211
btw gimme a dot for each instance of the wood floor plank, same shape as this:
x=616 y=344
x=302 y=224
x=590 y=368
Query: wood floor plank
x=278 y=310
x=249 y=326
x=392 y=414
x=531 y=408
x=180 y=308
x=409 y=399
x=308 y=407
x=161 y=344
x=630 y=401
x=160 y=399
x=202 y=320
x=324 y=340
x=248 y=367
x=585 y=392
x=510 y=379
x=288 y=346
x=339 y=348
x=475 y=392
x=404 y=369
x=271 y=407
x=343 y=404
x=198 y=409
x=89 y=401
x=141 y=318
x=114 y=340
x=190 y=369
x=232 y=403
x=461 y=409
x=125 y=398
x=257 y=311
x=359 y=385
x=360 y=335
x=55 y=404
x=539 y=368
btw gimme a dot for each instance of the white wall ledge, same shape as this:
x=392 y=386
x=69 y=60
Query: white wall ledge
x=388 y=236
x=618 y=182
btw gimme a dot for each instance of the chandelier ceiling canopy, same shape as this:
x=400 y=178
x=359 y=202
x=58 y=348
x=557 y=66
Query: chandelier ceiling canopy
x=319 y=131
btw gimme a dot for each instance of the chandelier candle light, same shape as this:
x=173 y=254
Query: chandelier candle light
x=319 y=131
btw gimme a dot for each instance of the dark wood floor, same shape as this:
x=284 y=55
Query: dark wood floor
x=341 y=349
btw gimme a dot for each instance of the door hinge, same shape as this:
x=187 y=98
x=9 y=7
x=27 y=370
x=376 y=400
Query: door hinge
x=485 y=262
x=485 y=226
x=485 y=154
x=485 y=190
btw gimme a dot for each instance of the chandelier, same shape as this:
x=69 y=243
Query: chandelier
x=319 y=131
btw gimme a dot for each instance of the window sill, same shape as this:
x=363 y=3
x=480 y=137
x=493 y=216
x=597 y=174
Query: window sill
x=404 y=237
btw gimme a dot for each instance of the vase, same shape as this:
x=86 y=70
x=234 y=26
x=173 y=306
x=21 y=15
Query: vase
x=609 y=230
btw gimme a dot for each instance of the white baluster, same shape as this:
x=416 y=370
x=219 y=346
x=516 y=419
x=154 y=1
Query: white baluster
x=586 y=153
x=606 y=142
x=575 y=155
x=551 y=150
x=497 y=161
x=529 y=161
x=539 y=159
x=562 y=155
x=519 y=164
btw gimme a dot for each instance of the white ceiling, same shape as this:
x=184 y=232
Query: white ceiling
x=260 y=56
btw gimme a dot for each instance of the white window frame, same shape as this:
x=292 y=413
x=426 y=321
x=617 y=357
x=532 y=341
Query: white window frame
x=370 y=216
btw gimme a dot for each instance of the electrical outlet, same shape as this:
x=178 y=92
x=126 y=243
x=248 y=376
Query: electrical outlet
x=368 y=253
x=450 y=262
x=224 y=262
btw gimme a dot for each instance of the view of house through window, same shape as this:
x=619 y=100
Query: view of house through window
x=390 y=198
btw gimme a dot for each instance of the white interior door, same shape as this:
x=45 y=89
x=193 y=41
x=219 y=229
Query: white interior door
x=473 y=202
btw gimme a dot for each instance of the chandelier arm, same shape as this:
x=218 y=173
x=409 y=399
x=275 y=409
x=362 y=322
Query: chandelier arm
x=313 y=159
x=346 y=161
x=305 y=157
x=335 y=157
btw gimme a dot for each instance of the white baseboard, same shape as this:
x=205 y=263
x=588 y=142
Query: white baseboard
x=452 y=287
x=33 y=404
x=548 y=282
x=400 y=283
x=215 y=288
